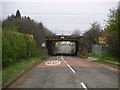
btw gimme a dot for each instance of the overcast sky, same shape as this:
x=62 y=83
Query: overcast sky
x=61 y=15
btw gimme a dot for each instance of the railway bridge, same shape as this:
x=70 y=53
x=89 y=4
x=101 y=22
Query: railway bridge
x=50 y=42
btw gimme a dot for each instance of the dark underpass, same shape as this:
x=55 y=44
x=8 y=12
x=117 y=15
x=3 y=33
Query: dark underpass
x=62 y=45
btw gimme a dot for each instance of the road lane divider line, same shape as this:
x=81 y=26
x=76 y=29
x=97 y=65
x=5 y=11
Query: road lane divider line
x=62 y=58
x=84 y=86
x=65 y=61
x=68 y=65
x=71 y=68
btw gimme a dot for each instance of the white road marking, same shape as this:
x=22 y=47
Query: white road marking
x=62 y=58
x=54 y=62
x=84 y=86
x=71 y=68
x=65 y=61
x=68 y=65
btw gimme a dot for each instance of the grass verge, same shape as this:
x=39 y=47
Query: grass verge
x=89 y=55
x=10 y=72
x=102 y=59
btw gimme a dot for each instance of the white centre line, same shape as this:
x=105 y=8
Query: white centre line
x=71 y=68
x=62 y=58
x=65 y=61
x=84 y=86
x=68 y=65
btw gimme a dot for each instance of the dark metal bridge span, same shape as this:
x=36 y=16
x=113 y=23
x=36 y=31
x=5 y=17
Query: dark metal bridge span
x=50 y=40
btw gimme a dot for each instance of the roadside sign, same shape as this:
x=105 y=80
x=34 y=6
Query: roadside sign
x=43 y=45
x=29 y=38
x=102 y=40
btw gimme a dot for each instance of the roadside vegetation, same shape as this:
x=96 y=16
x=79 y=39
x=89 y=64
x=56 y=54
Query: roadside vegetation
x=91 y=54
x=102 y=59
x=16 y=48
x=73 y=49
x=15 y=69
x=110 y=51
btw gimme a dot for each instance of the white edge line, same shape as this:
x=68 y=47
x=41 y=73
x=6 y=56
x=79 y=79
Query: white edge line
x=84 y=86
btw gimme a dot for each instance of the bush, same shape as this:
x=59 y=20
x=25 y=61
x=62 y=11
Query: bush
x=14 y=47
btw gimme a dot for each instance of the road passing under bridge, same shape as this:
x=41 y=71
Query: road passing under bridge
x=67 y=72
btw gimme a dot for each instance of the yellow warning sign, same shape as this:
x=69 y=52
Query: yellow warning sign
x=102 y=40
x=29 y=38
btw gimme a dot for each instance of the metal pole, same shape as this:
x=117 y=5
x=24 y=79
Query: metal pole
x=102 y=50
x=29 y=49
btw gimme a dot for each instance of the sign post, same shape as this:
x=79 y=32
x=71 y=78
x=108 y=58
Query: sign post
x=102 y=40
x=29 y=39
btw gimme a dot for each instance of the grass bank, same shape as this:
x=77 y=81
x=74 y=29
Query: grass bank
x=102 y=59
x=13 y=70
x=88 y=55
x=112 y=59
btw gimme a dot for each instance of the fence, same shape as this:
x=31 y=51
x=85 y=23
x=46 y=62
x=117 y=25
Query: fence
x=97 y=49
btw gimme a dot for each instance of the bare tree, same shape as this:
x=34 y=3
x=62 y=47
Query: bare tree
x=91 y=36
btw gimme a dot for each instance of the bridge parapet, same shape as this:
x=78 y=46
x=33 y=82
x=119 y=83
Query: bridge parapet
x=62 y=38
x=51 y=39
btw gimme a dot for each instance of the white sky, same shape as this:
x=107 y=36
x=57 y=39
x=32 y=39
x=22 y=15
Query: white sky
x=61 y=15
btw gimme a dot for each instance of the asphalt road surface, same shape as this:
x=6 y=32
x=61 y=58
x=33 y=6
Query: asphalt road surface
x=67 y=72
x=64 y=49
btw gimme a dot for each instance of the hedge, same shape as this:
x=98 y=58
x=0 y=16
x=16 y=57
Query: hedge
x=15 y=47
